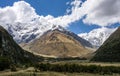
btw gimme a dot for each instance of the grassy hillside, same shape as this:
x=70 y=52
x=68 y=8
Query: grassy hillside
x=110 y=50
x=11 y=53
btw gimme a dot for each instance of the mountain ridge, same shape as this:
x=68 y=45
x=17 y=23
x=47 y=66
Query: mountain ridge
x=26 y=32
x=58 y=43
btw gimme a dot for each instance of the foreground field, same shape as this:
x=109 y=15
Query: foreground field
x=52 y=74
x=31 y=71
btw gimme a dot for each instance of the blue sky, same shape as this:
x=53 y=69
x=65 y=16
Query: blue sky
x=43 y=7
x=55 y=8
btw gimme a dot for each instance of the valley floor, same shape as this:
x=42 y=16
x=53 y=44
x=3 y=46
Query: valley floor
x=51 y=74
x=88 y=63
x=31 y=71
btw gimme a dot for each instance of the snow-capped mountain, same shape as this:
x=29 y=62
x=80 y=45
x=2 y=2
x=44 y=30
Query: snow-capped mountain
x=25 y=32
x=97 y=36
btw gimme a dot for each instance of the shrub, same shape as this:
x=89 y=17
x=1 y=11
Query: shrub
x=78 y=68
x=13 y=67
x=4 y=63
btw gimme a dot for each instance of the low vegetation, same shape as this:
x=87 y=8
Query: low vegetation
x=4 y=63
x=56 y=74
x=76 y=68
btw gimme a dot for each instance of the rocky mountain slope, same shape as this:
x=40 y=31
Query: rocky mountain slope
x=59 y=43
x=10 y=49
x=110 y=50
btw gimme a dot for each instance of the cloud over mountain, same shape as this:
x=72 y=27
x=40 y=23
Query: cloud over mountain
x=23 y=12
x=99 y=12
x=19 y=12
x=22 y=21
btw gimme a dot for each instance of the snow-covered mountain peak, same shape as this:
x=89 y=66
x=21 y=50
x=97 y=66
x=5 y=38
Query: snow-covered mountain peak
x=58 y=27
x=97 y=36
x=26 y=32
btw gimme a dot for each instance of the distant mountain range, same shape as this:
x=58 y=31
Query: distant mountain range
x=60 y=43
x=27 y=32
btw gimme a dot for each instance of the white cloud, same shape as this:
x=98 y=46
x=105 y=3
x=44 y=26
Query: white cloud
x=7 y=15
x=101 y=12
x=23 y=12
x=19 y=12
x=75 y=15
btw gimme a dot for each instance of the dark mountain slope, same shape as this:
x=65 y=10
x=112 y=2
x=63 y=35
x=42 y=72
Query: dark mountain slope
x=10 y=49
x=110 y=50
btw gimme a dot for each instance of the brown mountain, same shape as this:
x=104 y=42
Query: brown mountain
x=59 y=43
x=110 y=50
x=9 y=49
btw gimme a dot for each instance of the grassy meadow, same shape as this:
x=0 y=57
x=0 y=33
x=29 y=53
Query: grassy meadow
x=33 y=71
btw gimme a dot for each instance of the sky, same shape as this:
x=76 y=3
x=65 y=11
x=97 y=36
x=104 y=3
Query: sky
x=78 y=16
